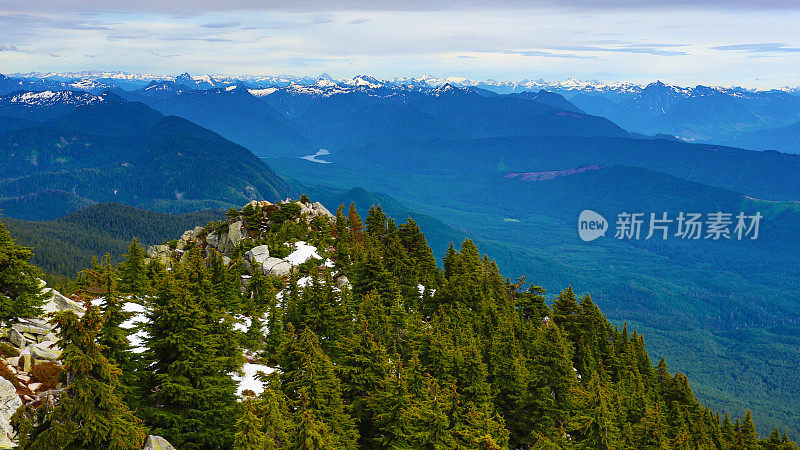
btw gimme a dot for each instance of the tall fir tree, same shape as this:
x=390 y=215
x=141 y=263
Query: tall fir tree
x=90 y=413
x=20 y=290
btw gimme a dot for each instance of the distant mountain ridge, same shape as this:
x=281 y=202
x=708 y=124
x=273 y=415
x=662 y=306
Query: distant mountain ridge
x=115 y=150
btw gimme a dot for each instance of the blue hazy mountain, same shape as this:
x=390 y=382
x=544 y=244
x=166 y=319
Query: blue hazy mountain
x=123 y=151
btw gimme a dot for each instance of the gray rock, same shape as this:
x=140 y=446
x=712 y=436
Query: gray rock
x=212 y=239
x=17 y=338
x=276 y=266
x=157 y=443
x=236 y=233
x=342 y=281
x=230 y=240
x=44 y=351
x=30 y=328
x=58 y=302
x=257 y=255
x=9 y=403
x=321 y=210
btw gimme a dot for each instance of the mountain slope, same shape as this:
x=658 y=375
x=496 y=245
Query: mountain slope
x=237 y=115
x=66 y=245
x=142 y=159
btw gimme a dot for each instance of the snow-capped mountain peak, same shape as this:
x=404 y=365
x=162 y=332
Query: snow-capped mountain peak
x=50 y=98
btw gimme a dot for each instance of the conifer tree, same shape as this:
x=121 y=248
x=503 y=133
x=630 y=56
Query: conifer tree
x=20 y=290
x=552 y=382
x=133 y=270
x=312 y=388
x=250 y=434
x=364 y=372
x=190 y=394
x=90 y=413
x=275 y=414
x=113 y=337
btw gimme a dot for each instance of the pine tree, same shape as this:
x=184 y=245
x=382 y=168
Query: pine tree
x=20 y=290
x=363 y=371
x=113 y=337
x=595 y=421
x=749 y=436
x=314 y=391
x=275 y=414
x=190 y=394
x=133 y=271
x=552 y=382
x=90 y=413
x=250 y=434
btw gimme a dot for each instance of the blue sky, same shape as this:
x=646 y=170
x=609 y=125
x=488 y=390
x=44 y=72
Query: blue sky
x=748 y=43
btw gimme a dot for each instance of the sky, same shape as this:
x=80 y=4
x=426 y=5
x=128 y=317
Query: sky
x=737 y=42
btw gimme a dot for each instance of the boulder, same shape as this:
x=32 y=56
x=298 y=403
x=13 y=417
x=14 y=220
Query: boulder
x=157 y=443
x=17 y=338
x=276 y=266
x=257 y=255
x=58 y=302
x=26 y=362
x=161 y=253
x=212 y=239
x=236 y=233
x=342 y=281
x=45 y=351
x=9 y=403
x=29 y=328
x=321 y=210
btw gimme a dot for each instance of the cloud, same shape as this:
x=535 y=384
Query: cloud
x=8 y=48
x=759 y=48
x=34 y=20
x=163 y=56
x=358 y=21
x=193 y=38
x=221 y=25
x=545 y=54
x=197 y=7
x=636 y=48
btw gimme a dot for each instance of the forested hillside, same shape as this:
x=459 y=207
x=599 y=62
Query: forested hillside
x=65 y=246
x=363 y=342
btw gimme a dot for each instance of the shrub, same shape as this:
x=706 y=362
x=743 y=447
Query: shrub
x=47 y=373
x=7 y=350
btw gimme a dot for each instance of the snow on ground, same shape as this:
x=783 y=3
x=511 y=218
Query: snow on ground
x=302 y=253
x=303 y=282
x=250 y=380
x=242 y=323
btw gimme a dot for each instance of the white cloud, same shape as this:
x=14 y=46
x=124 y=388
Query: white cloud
x=681 y=44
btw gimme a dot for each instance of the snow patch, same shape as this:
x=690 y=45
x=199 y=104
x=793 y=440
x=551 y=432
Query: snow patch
x=250 y=381
x=302 y=253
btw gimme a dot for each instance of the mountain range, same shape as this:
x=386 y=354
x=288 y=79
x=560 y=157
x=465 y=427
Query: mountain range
x=510 y=168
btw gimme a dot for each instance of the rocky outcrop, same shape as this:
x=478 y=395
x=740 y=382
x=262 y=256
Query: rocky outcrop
x=9 y=403
x=157 y=443
x=227 y=241
x=276 y=266
x=314 y=209
x=257 y=255
x=227 y=237
x=160 y=253
x=58 y=302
